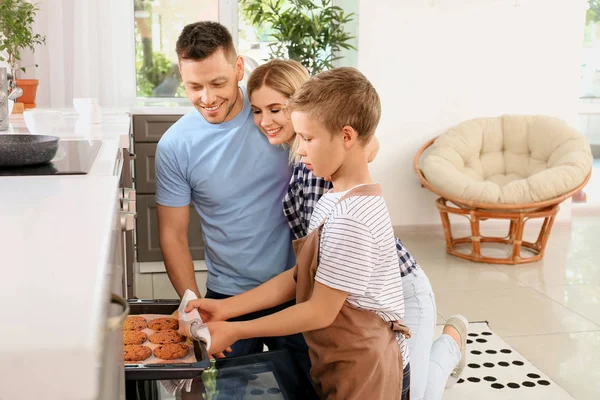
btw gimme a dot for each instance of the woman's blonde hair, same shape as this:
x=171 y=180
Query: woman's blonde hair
x=283 y=76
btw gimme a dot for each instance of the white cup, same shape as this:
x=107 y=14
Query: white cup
x=42 y=122
x=88 y=110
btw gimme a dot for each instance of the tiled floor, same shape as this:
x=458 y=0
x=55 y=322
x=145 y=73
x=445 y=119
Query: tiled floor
x=549 y=311
x=592 y=189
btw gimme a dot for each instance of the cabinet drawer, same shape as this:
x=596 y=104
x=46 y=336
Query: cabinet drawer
x=148 y=248
x=150 y=128
x=145 y=172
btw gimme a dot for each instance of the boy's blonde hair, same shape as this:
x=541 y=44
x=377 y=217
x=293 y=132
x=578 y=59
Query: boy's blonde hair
x=283 y=76
x=340 y=97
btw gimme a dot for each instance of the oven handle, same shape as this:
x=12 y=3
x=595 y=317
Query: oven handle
x=115 y=323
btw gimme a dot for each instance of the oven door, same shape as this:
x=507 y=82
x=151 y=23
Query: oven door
x=112 y=376
x=273 y=375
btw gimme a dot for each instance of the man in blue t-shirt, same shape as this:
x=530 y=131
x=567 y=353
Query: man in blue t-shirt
x=217 y=159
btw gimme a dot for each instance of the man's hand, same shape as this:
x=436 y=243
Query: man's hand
x=222 y=336
x=210 y=310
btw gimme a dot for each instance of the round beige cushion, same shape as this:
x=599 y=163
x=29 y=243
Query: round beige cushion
x=511 y=159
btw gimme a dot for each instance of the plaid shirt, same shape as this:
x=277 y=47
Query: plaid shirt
x=304 y=192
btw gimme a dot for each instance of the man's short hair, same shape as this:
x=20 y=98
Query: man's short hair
x=340 y=97
x=202 y=39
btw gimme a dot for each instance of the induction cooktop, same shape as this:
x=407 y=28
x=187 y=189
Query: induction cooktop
x=74 y=157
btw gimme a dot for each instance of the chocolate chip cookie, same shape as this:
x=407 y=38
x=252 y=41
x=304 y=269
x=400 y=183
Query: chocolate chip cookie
x=134 y=323
x=134 y=352
x=134 y=337
x=166 y=337
x=164 y=324
x=171 y=351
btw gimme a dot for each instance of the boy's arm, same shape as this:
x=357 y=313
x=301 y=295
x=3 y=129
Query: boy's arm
x=274 y=292
x=317 y=313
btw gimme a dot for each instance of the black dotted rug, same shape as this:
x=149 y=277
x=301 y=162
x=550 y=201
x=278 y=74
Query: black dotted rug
x=497 y=371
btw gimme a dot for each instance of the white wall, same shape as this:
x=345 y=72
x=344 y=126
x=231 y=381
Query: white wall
x=435 y=66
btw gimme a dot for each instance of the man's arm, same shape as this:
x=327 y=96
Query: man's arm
x=172 y=231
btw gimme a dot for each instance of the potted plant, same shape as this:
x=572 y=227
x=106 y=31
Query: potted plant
x=16 y=34
x=309 y=31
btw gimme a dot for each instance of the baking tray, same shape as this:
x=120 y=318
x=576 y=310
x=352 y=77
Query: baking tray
x=139 y=372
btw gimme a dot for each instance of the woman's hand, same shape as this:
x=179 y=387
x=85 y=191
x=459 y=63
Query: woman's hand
x=210 y=310
x=222 y=336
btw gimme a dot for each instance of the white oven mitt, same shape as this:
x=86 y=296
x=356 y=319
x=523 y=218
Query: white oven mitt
x=197 y=331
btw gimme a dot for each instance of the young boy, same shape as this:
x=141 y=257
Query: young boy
x=347 y=281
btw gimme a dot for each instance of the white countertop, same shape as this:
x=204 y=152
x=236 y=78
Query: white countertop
x=55 y=246
x=54 y=283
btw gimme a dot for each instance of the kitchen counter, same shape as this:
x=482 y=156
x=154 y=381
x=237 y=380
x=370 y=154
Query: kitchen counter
x=56 y=237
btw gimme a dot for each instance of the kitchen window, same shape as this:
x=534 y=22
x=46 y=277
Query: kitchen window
x=158 y=24
x=590 y=75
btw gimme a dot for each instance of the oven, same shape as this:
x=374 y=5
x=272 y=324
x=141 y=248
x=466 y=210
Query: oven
x=128 y=206
x=273 y=375
x=112 y=368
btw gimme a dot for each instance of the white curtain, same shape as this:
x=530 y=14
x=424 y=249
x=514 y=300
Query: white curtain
x=89 y=52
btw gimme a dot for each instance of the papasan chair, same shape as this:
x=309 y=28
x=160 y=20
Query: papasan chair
x=512 y=167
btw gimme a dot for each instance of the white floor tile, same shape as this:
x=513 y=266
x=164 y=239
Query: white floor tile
x=162 y=287
x=513 y=312
x=582 y=299
x=201 y=278
x=452 y=273
x=570 y=359
x=143 y=286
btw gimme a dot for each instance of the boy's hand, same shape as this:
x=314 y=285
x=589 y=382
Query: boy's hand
x=222 y=336
x=209 y=309
x=221 y=354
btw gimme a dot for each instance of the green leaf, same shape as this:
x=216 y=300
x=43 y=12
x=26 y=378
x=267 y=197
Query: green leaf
x=309 y=31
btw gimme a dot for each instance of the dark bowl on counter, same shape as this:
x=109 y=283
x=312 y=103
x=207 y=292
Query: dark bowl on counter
x=25 y=150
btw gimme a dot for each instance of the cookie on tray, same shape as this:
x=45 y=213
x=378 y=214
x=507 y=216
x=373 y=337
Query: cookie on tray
x=164 y=324
x=135 y=352
x=134 y=337
x=171 y=351
x=166 y=337
x=134 y=323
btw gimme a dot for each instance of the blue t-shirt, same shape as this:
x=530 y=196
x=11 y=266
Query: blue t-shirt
x=236 y=181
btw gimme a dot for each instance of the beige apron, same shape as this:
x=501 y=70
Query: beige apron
x=357 y=356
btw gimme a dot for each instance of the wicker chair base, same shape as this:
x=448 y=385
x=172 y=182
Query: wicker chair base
x=515 y=234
